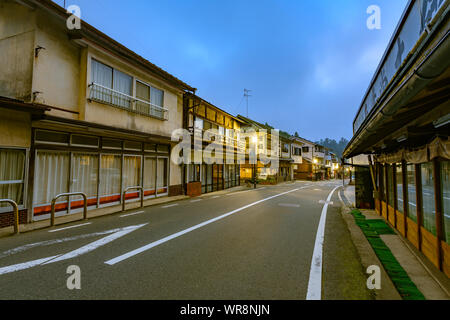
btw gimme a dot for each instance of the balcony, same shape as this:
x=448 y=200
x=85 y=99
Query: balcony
x=123 y=101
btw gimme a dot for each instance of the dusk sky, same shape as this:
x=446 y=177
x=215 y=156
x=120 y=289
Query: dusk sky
x=307 y=62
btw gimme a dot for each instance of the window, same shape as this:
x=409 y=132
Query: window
x=85 y=141
x=305 y=149
x=429 y=211
x=161 y=178
x=390 y=177
x=84 y=178
x=445 y=187
x=51 y=171
x=12 y=175
x=198 y=124
x=132 y=145
x=111 y=144
x=412 y=206
x=399 y=188
x=149 y=176
x=106 y=79
x=286 y=148
x=110 y=171
x=51 y=137
x=131 y=171
x=123 y=83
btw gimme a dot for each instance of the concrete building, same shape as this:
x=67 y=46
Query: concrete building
x=80 y=112
x=402 y=129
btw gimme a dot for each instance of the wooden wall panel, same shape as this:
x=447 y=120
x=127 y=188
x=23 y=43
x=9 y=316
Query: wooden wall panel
x=429 y=246
x=400 y=226
x=391 y=215
x=445 y=258
x=412 y=233
x=383 y=210
x=377 y=206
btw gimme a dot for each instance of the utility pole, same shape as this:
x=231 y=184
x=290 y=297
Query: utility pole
x=246 y=95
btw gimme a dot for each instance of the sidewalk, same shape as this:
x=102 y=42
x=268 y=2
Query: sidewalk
x=96 y=213
x=432 y=284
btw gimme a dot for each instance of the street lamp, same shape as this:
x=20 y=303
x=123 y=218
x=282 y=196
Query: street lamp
x=315 y=162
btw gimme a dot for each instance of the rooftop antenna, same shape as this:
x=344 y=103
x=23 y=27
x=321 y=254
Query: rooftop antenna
x=246 y=95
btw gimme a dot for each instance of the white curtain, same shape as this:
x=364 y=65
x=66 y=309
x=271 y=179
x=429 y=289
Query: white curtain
x=110 y=176
x=161 y=175
x=85 y=174
x=149 y=174
x=52 y=175
x=122 y=83
x=12 y=167
x=131 y=171
x=156 y=98
x=102 y=75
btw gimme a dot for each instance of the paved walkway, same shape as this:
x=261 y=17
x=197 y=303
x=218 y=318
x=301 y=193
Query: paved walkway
x=433 y=284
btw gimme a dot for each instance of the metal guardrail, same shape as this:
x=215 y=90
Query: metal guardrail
x=124 y=101
x=52 y=219
x=16 y=213
x=141 y=189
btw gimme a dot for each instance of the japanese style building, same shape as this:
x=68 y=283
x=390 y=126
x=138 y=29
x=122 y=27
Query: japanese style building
x=403 y=126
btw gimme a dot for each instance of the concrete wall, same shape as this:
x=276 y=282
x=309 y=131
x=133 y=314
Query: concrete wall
x=15 y=128
x=17 y=33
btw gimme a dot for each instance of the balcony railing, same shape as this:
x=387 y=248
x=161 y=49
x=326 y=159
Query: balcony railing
x=123 y=101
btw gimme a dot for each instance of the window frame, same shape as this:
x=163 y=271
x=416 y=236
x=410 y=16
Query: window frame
x=24 y=205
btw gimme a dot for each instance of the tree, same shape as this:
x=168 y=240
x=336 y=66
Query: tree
x=337 y=147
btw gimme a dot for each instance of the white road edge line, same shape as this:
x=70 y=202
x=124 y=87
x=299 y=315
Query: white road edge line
x=178 y=234
x=71 y=227
x=131 y=214
x=315 y=275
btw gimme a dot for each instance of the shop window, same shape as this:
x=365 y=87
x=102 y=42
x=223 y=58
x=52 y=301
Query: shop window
x=445 y=187
x=85 y=141
x=51 y=137
x=428 y=202
x=111 y=144
x=149 y=176
x=84 y=178
x=412 y=206
x=132 y=145
x=161 y=178
x=12 y=176
x=131 y=171
x=110 y=175
x=51 y=179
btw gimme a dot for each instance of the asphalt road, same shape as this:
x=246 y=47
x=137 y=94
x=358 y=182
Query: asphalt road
x=255 y=244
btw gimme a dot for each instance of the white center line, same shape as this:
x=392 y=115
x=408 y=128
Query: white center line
x=215 y=197
x=131 y=214
x=78 y=225
x=169 y=205
x=315 y=275
x=178 y=234
x=196 y=200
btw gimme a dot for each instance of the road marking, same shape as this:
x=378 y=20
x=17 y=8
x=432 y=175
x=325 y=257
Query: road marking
x=131 y=214
x=178 y=234
x=315 y=275
x=170 y=205
x=323 y=202
x=71 y=227
x=72 y=254
x=316 y=189
x=196 y=200
x=96 y=244
x=215 y=197
x=289 y=205
x=51 y=242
